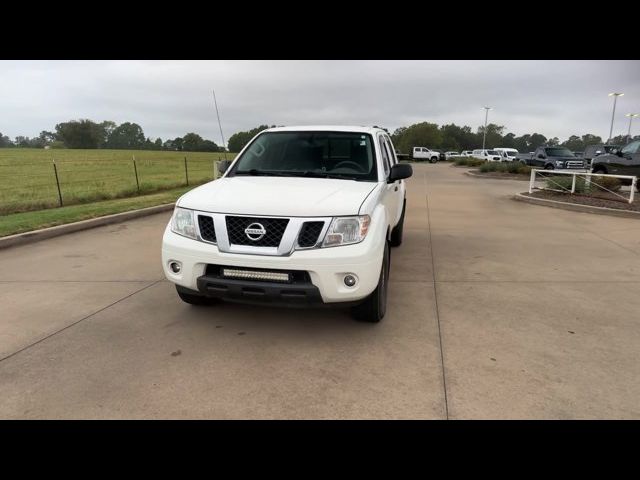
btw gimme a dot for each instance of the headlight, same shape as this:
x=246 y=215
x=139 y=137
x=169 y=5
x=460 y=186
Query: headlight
x=559 y=163
x=183 y=223
x=346 y=230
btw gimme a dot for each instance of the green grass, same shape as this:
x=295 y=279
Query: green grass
x=27 y=221
x=28 y=182
x=517 y=168
x=468 y=161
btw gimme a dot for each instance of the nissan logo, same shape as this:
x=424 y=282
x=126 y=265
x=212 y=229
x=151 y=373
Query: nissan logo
x=255 y=232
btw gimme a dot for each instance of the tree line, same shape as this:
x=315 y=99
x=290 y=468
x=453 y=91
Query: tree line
x=88 y=134
x=450 y=137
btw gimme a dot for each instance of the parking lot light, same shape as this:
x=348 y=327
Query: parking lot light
x=631 y=117
x=486 y=115
x=615 y=96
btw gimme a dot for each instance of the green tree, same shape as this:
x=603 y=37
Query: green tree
x=126 y=136
x=574 y=143
x=79 y=133
x=5 y=141
x=157 y=145
x=107 y=128
x=191 y=142
x=238 y=140
x=509 y=141
x=457 y=138
x=590 y=139
x=494 y=135
x=177 y=143
x=423 y=134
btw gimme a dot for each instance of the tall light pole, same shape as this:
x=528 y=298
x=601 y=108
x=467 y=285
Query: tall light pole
x=615 y=99
x=486 y=116
x=631 y=117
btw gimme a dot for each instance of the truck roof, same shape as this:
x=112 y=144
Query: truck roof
x=327 y=128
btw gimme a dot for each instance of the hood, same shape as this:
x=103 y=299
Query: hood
x=279 y=196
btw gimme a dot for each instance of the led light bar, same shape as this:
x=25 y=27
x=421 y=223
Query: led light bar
x=253 y=275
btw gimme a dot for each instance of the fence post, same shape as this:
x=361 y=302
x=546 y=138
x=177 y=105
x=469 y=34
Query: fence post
x=186 y=172
x=573 y=184
x=634 y=182
x=55 y=171
x=532 y=180
x=135 y=170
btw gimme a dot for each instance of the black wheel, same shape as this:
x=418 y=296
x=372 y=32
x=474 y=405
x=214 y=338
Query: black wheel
x=374 y=307
x=548 y=167
x=434 y=159
x=600 y=170
x=396 y=233
x=193 y=298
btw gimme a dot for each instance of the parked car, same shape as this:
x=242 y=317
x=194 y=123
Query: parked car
x=303 y=216
x=467 y=153
x=448 y=155
x=507 y=154
x=620 y=161
x=424 y=153
x=551 y=158
x=488 y=155
x=592 y=151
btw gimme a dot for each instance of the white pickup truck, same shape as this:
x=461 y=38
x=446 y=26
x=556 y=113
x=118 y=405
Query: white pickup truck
x=424 y=153
x=303 y=216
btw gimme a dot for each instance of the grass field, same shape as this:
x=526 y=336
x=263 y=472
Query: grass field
x=27 y=221
x=28 y=182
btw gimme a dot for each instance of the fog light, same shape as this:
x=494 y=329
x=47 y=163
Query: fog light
x=175 y=267
x=350 y=280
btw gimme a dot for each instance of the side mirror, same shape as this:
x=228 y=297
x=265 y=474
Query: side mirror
x=617 y=152
x=223 y=166
x=400 y=171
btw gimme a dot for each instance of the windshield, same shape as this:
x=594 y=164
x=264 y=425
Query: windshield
x=345 y=155
x=559 y=152
x=492 y=152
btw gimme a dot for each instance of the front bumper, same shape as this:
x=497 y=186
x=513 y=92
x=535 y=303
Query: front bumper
x=326 y=268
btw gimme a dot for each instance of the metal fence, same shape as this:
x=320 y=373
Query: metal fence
x=592 y=183
x=34 y=185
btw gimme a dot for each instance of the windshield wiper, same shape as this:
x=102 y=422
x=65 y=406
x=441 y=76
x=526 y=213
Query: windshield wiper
x=317 y=174
x=255 y=172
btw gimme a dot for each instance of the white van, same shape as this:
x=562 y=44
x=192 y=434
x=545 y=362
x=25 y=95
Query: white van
x=507 y=154
x=488 y=155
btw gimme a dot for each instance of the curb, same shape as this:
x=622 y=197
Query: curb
x=45 y=233
x=576 y=207
x=475 y=175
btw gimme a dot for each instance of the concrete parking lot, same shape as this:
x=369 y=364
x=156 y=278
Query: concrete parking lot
x=497 y=309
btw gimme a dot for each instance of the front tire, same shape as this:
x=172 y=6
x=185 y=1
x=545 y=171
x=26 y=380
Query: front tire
x=548 y=167
x=434 y=160
x=374 y=307
x=396 y=233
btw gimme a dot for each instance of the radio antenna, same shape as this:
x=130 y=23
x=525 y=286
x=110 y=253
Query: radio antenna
x=224 y=144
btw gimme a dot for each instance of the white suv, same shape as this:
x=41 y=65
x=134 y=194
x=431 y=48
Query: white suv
x=302 y=216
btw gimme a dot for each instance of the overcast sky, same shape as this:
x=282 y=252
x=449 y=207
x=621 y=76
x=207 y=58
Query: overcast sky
x=171 y=98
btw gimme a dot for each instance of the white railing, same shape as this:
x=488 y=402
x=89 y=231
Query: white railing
x=547 y=174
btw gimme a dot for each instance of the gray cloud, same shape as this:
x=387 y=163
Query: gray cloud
x=171 y=98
